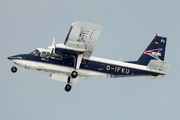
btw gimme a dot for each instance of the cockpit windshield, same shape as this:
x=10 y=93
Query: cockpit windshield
x=35 y=52
x=42 y=53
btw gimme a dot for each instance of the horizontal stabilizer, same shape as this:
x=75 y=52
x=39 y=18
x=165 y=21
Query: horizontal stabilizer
x=161 y=66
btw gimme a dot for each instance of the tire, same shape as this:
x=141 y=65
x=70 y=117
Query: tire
x=67 y=88
x=13 y=69
x=74 y=74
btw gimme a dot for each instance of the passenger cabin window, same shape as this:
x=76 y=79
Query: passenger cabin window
x=35 y=52
x=56 y=56
x=83 y=61
x=44 y=54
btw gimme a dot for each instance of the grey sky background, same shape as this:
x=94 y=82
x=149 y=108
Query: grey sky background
x=128 y=27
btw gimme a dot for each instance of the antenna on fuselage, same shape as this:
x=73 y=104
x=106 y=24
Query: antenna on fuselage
x=120 y=59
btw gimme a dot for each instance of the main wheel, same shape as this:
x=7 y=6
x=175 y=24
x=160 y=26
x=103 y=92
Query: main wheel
x=74 y=74
x=13 y=69
x=67 y=88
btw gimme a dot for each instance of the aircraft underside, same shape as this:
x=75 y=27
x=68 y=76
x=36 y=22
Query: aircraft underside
x=107 y=70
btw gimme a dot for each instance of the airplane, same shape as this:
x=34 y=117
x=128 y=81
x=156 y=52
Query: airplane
x=73 y=60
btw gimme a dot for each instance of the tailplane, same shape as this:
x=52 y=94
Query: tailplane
x=155 y=51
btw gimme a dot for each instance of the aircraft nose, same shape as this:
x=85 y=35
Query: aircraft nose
x=15 y=57
x=10 y=57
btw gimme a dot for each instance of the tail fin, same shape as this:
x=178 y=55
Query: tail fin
x=155 y=50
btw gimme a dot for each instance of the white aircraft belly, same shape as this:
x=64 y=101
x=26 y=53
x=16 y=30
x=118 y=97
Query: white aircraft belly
x=58 y=69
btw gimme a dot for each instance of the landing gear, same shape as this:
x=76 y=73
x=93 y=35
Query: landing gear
x=77 y=62
x=13 y=69
x=74 y=74
x=67 y=87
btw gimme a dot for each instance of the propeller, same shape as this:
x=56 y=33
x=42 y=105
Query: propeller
x=52 y=47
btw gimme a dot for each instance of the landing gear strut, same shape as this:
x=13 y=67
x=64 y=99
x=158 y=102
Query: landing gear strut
x=74 y=73
x=77 y=62
x=13 y=69
x=68 y=86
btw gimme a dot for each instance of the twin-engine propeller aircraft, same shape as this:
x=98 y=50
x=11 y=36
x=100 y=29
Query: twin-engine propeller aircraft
x=72 y=60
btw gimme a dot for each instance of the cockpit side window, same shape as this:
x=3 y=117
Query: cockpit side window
x=35 y=52
x=44 y=54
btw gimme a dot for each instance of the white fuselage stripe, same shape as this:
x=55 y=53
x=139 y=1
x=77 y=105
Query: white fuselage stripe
x=56 y=69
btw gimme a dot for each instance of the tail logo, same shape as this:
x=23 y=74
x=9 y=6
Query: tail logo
x=155 y=53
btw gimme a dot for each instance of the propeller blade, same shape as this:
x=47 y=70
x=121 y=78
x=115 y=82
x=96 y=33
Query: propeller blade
x=53 y=41
x=53 y=44
x=52 y=47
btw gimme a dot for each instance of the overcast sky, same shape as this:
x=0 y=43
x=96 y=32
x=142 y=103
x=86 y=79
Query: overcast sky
x=128 y=27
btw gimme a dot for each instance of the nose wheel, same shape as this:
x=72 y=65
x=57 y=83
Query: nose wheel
x=13 y=69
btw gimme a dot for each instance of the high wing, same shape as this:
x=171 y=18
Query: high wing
x=82 y=37
x=78 y=44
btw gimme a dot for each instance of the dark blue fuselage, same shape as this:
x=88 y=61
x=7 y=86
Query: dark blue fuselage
x=87 y=64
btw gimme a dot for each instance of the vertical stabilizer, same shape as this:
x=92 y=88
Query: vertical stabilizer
x=155 y=51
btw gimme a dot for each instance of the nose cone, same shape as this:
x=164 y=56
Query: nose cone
x=10 y=57
x=15 y=57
